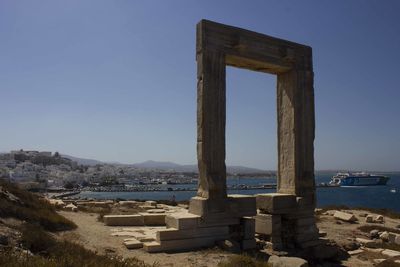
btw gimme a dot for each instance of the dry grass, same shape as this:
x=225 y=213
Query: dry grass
x=73 y=255
x=242 y=261
x=30 y=208
x=49 y=252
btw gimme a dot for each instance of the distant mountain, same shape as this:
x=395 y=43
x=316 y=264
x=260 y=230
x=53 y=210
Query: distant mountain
x=151 y=164
x=241 y=169
x=162 y=165
x=83 y=161
x=165 y=165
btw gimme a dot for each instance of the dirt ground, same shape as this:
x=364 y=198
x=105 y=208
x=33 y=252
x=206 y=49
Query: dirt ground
x=96 y=236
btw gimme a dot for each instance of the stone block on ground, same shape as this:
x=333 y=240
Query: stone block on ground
x=174 y=234
x=153 y=219
x=182 y=220
x=355 y=252
x=146 y=238
x=369 y=219
x=374 y=234
x=71 y=207
x=367 y=242
x=267 y=224
x=343 y=216
x=133 y=244
x=276 y=261
x=397 y=240
x=379 y=219
x=123 y=220
x=394 y=238
x=276 y=203
x=391 y=253
x=384 y=236
x=242 y=205
x=127 y=203
x=151 y=203
x=56 y=202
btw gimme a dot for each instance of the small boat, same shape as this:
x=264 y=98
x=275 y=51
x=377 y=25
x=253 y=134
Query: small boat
x=393 y=190
x=358 y=179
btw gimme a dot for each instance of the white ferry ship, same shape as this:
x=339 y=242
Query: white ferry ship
x=358 y=179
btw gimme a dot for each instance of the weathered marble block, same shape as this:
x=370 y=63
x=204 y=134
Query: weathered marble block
x=242 y=205
x=267 y=224
x=276 y=203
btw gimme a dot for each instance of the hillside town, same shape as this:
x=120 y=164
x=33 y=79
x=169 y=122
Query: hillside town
x=40 y=170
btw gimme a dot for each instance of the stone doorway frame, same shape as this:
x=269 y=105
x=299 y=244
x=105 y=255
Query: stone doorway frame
x=218 y=45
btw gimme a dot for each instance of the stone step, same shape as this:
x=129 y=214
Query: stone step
x=123 y=220
x=218 y=219
x=133 y=244
x=182 y=220
x=175 y=234
x=182 y=244
x=153 y=219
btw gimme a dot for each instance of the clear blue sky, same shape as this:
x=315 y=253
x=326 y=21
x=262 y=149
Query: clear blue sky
x=116 y=80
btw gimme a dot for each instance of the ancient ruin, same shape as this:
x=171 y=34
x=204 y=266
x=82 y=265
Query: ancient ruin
x=286 y=218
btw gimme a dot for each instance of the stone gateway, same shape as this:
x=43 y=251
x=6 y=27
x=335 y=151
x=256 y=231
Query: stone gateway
x=286 y=218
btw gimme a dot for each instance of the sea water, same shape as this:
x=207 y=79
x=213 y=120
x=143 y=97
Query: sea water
x=386 y=197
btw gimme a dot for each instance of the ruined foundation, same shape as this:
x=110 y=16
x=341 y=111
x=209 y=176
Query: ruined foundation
x=286 y=217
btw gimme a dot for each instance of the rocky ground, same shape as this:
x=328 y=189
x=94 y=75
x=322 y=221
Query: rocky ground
x=361 y=243
x=348 y=237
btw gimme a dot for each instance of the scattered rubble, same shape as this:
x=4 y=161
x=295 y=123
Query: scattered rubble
x=275 y=261
x=379 y=219
x=369 y=219
x=71 y=207
x=344 y=216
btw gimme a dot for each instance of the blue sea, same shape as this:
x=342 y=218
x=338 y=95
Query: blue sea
x=363 y=196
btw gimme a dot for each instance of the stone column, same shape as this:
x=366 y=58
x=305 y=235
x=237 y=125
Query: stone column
x=296 y=127
x=211 y=109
